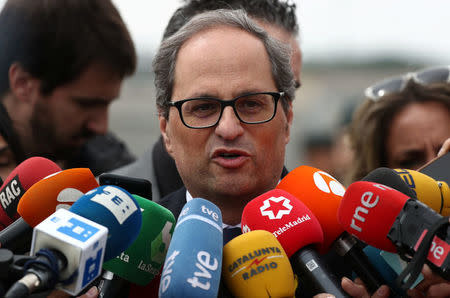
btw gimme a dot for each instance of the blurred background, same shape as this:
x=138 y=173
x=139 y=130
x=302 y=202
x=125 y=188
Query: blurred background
x=347 y=45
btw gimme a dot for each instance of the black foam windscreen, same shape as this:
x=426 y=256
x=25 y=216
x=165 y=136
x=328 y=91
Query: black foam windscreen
x=389 y=178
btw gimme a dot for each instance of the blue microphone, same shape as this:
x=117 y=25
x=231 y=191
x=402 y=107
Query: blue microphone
x=193 y=264
x=115 y=208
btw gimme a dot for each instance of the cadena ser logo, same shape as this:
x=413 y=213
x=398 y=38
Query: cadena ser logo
x=408 y=178
x=276 y=207
x=255 y=262
x=326 y=183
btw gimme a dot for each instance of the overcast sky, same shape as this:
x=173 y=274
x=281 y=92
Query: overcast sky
x=347 y=28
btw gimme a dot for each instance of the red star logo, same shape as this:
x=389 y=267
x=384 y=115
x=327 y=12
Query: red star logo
x=275 y=208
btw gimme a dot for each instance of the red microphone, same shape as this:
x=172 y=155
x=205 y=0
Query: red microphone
x=18 y=182
x=387 y=219
x=299 y=232
x=364 y=213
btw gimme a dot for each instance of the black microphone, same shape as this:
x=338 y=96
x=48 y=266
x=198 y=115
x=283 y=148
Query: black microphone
x=136 y=186
x=389 y=177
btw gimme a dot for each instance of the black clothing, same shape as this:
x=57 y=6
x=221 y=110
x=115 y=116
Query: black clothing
x=101 y=154
x=10 y=136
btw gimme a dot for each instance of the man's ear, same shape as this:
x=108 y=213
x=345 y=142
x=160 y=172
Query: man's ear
x=289 y=118
x=22 y=84
x=165 y=134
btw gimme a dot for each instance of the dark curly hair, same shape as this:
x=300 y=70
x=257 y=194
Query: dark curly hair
x=281 y=13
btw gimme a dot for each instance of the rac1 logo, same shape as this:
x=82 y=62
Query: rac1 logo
x=10 y=196
x=368 y=201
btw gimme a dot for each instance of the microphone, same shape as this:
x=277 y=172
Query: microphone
x=58 y=190
x=138 y=186
x=20 y=180
x=435 y=194
x=142 y=261
x=68 y=249
x=193 y=264
x=390 y=178
x=120 y=213
x=256 y=265
x=322 y=194
x=298 y=231
x=72 y=247
x=387 y=219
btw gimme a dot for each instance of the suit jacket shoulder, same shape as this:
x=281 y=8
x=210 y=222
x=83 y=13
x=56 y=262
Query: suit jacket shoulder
x=174 y=201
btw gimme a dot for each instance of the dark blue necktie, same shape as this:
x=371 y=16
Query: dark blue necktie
x=229 y=233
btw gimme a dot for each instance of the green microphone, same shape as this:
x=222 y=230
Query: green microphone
x=144 y=258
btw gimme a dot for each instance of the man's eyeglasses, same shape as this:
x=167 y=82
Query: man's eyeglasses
x=252 y=108
x=440 y=74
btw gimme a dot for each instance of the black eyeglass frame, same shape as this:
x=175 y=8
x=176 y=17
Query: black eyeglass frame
x=225 y=103
x=373 y=94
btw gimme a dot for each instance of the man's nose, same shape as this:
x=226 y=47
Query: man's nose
x=98 y=122
x=229 y=126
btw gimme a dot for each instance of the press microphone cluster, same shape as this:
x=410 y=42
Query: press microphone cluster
x=322 y=194
x=140 y=264
x=71 y=245
x=40 y=200
x=18 y=182
x=299 y=233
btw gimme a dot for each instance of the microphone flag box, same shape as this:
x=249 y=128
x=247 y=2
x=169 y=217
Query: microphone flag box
x=80 y=240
